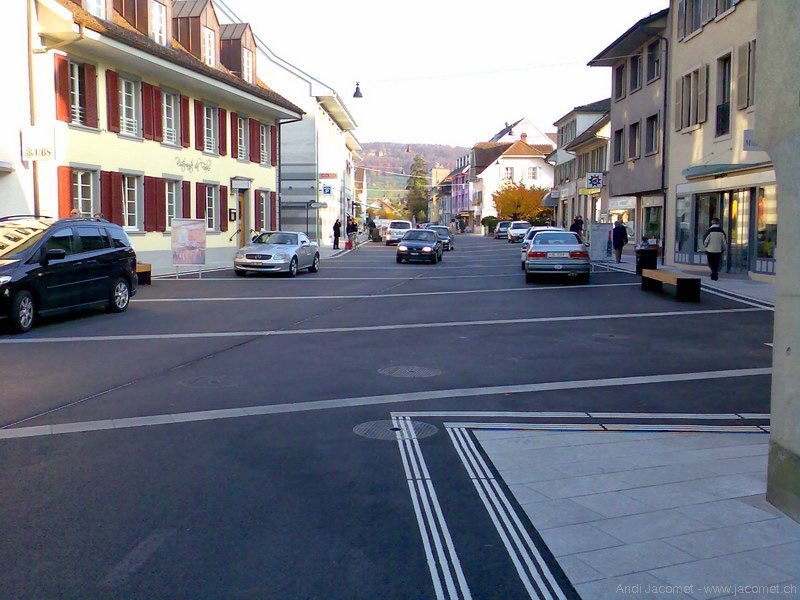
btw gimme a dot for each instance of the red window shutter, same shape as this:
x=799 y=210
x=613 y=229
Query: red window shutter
x=198 y=126
x=234 y=135
x=200 y=201
x=161 y=204
x=116 y=199
x=223 y=208
x=259 y=210
x=158 y=123
x=185 y=123
x=65 y=203
x=105 y=194
x=186 y=200
x=112 y=101
x=273 y=152
x=150 y=204
x=273 y=210
x=255 y=147
x=222 y=139
x=147 y=114
x=63 y=112
x=90 y=94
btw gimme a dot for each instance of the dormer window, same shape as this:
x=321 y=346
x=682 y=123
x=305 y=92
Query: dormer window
x=96 y=8
x=158 y=22
x=209 y=47
x=247 y=65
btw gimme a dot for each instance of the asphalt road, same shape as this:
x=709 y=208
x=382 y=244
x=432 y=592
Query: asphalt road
x=202 y=443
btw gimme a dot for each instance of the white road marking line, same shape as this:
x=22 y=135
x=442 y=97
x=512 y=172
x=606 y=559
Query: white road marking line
x=489 y=414
x=316 y=278
x=737 y=298
x=453 y=394
x=374 y=296
x=755 y=415
x=368 y=328
x=678 y=427
x=768 y=344
x=527 y=426
x=136 y=558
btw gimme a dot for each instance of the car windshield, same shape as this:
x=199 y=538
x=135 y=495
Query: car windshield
x=420 y=235
x=399 y=225
x=18 y=235
x=520 y=225
x=284 y=239
x=555 y=238
x=503 y=225
x=442 y=231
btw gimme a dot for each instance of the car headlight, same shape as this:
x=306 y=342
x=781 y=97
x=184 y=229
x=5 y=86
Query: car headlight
x=4 y=279
x=427 y=249
x=240 y=254
x=281 y=255
x=403 y=248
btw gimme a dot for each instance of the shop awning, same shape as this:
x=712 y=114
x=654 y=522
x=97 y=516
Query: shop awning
x=548 y=200
x=721 y=169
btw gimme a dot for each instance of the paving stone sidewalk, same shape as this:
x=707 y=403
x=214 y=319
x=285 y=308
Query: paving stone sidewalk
x=653 y=514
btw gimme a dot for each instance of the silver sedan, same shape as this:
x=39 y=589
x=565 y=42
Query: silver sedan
x=557 y=253
x=278 y=252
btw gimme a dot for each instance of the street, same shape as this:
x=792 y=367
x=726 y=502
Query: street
x=202 y=444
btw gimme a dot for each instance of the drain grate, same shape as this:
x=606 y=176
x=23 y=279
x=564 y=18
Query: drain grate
x=409 y=371
x=386 y=430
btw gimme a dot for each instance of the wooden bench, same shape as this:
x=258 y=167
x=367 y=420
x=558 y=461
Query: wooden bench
x=144 y=271
x=687 y=286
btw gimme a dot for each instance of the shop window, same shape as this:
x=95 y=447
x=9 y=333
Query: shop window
x=651 y=222
x=767 y=222
x=683 y=224
x=706 y=208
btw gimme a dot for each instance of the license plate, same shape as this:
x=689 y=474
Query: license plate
x=558 y=255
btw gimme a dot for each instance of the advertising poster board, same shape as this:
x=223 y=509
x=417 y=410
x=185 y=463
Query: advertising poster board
x=188 y=242
x=600 y=242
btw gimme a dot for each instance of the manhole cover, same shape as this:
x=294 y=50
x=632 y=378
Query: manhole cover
x=410 y=371
x=387 y=430
x=208 y=381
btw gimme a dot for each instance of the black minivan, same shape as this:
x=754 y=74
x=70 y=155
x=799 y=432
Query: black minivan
x=49 y=266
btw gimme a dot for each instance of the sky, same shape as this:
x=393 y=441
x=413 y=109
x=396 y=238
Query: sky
x=448 y=72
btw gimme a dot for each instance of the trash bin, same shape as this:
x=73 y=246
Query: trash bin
x=646 y=258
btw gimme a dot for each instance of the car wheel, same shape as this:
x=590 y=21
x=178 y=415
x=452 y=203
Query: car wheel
x=530 y=278
x=120 y=296
x=240 y=272
x=293 y=267
x=23 y=312
x=314 y=264
x=398 y=259
x=522 y=265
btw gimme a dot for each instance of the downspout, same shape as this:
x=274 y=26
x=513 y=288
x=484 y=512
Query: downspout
x=664 y=153
x=278 y=170
x=32 y=105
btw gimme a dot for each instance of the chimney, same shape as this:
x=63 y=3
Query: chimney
x=524 y=137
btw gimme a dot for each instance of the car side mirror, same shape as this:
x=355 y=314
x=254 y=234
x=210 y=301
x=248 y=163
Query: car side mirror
x=586 y=244
x=55 y=254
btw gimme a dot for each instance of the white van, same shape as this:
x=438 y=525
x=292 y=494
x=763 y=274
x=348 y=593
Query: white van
x=395 y=231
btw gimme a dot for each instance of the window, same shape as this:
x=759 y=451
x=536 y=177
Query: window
x=263 y=143
x=128 y=107
x=77 y=91
x=92 y=238
x=619 y=82
x=172 y=200
x=693 y=14
x=653 y=60
x=96 y=8
x=61 y=240
x=209 y=47
x=509 y=173
x=636 y=72
x=171 y=114
x=83 y=192
x=533 y=173
x=683 y=217
x=241 y=137
x=247 y=65
x=210 y=129
x=723 y=5
x=211 y=207
x=746 y=75
x=767 y=222
x=706 y=207
x=119 y=239
x=158 y=22
x=619 y=145
x=723 y=120
x=651 y=135
x=633 y=140
x=691 y=98
x=130 y=202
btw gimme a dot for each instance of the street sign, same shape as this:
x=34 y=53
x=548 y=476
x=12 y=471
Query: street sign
x=749 y=144
x=319 y=205
x=326 y=189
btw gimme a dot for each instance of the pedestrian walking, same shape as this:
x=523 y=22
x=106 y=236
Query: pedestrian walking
x=577 y=226
x=715 y=242
x=371 y=227
x=337 y=232
x=619 y=237
x=352 y=229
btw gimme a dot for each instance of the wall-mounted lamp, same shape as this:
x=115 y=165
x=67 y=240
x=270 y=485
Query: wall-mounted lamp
x=357 y=93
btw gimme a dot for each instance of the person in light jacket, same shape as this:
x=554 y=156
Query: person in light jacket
x=715 y=243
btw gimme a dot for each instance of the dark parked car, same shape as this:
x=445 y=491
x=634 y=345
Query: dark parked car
x=420 y=244
x=48 y=266
x=444 y=235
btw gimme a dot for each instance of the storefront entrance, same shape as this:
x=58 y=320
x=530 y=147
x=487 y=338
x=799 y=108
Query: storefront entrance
x=244 y=227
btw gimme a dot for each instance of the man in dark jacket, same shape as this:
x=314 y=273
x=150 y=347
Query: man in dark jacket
x=715 y=242
x=619 y=237
x=577 y=226
x=352 y=229
x=337 y=233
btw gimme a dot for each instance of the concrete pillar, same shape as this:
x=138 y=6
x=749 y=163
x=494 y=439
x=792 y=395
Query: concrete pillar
x=778 y=132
